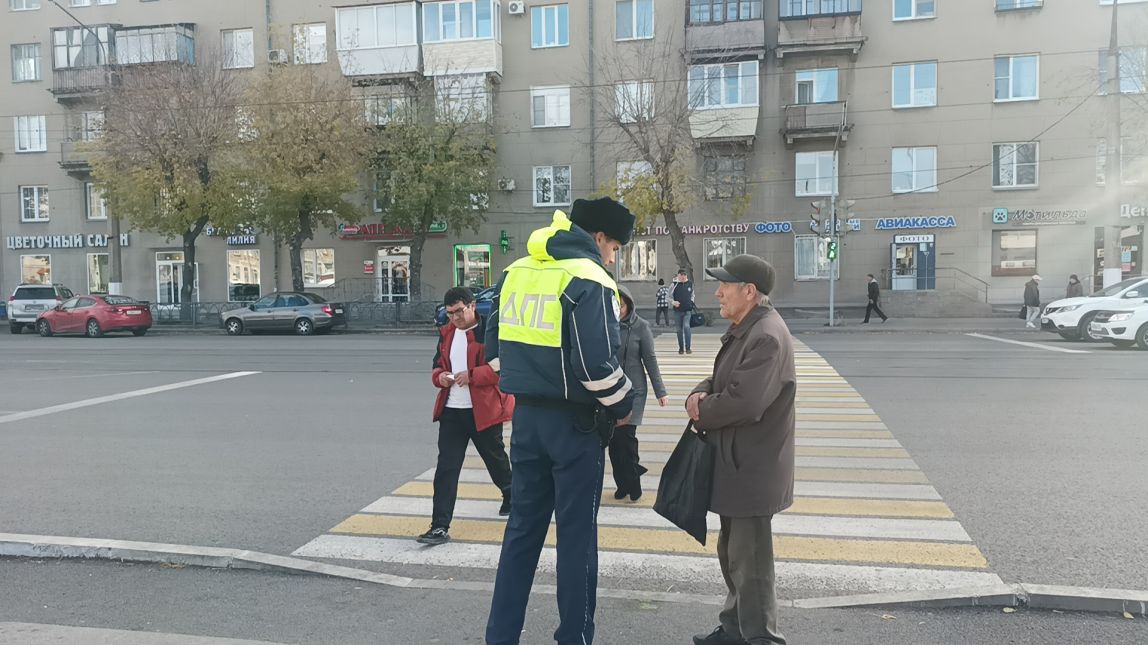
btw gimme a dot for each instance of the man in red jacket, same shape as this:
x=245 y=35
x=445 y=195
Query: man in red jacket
x=470 y=407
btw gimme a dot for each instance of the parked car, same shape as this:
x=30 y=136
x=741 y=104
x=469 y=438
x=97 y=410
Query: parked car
x=483 y=301
x=305 y=313
x=1122 y=328
x=93 y=316
x=1072 y=317
x=28 y=301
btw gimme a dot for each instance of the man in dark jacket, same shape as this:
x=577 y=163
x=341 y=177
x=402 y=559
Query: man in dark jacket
x=748 y=410
x=874 y=300
x=683 y=302
x=554 y=329
x=469 y=408
x=1032 y=302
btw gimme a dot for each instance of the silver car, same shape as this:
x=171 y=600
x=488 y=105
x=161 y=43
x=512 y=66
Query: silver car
x=303 y=313
x=28 y=301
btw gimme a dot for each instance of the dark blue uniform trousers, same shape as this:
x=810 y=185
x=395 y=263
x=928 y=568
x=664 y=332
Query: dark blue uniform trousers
x=557 y=469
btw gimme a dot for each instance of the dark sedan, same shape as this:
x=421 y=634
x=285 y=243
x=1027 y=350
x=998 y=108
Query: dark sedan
x=303 y=313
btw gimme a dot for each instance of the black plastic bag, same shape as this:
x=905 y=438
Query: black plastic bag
x=687 y=483
x=1023 y=313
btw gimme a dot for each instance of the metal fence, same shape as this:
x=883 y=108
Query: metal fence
x=359 y=314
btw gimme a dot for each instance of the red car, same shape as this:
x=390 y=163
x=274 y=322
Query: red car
x=94 y=315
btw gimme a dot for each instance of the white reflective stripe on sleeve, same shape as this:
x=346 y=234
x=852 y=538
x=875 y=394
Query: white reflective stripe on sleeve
x=617 y=396
x=605 y=383
x=495 y=364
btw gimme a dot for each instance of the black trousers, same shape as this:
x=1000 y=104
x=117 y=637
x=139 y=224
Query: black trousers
x=873 y=307
x=455 y=430
x=624 y=459
x=662 y=314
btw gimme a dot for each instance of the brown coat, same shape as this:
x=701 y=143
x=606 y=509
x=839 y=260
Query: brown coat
x=749 y=414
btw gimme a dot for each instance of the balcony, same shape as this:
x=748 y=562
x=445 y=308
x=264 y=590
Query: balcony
x=732 y=125
x=74 y=159
x=718 y=30
x=816 y=121
x=75 y=84
x=482 y=56
x=812 y=27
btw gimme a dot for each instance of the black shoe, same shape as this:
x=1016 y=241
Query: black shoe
x=718 y=637
x=681 y=351
x=619 y=494
x=689 y=351
x=504 y=510
x=636 y=495
x=864 y=322
x=434 y=537
x=884 y=320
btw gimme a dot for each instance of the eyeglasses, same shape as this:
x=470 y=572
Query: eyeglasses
x=457 y=312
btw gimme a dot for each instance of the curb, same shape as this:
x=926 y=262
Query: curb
x=1032 y=596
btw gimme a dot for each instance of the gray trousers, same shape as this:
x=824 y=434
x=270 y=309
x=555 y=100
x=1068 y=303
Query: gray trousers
x=745 y=552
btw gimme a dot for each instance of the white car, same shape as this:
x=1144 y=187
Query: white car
x=1122 y=328
x=1071 y=317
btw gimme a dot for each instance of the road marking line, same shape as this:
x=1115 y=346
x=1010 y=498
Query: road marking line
x=649 y=566
x=612 y=538
x=103 y=375
x=639 y=517
x=1051 y=348
x=99 y=400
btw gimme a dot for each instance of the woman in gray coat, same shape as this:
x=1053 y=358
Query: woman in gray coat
x=636 y=356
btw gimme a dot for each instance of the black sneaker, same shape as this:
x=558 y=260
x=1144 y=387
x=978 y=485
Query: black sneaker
x=504 y=510
x=619 y=494
x=434 y=537
x=689 y=351
x=636 y=493
x=718 y=637
x=681 y=351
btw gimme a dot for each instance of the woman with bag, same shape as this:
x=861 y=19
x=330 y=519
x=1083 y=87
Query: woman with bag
x=636 y=356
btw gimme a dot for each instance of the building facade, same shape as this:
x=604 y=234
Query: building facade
x=963 y=143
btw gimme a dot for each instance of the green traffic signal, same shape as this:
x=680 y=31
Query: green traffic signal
x=831 y=250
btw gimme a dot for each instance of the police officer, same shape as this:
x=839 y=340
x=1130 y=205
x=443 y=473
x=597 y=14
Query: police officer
x=554 y=336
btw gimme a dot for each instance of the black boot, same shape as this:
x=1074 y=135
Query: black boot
x=718 y=637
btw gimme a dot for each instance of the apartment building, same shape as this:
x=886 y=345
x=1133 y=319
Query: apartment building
x=964 y=142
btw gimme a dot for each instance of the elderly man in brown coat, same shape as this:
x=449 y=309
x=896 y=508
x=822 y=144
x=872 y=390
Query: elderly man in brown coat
x=747 y=409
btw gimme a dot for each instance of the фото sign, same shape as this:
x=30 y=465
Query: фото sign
x=914 y=239
x=896 y=223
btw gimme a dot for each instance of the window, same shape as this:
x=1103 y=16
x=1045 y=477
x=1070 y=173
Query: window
x=318 y=268
x=97 y=205
x=462 y=97
x=915 y=85
x=634 y=101
x=36 y=269
x=79 y=47
x=549 y=107
x=1014 y=165
x=459 y=20
x=98 y=273
x=24 y=5
x=1014 y=253
x=551 y=185
x=170 y=43
x=238 y=48
x=808 y=8
x=638 y=260
x=704 y=12
x=472 y=265
x=914 y=170
x=634 y=19
x=1133 y=61
x=724 y=177
x=1133 y=161
x=1009 y=5
x=25 y=63
x=720 y=250
x=913 y=9
x=725 y=85
x=33 y=203
x=816 y=86
x=816 y=173
x=550 y=26
x=81 y=3
x=388 y=25
x=383 y=109
x=310 y=43
x=811 y=258
x=31 y=133
x=243 y=275
x=1016 y=78
x=91 y=125
x=382 y=196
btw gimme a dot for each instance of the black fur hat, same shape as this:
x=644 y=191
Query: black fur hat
x=604 y=215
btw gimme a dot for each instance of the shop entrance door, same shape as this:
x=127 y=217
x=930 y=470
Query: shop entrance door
x=393 y=274
x=914 y=262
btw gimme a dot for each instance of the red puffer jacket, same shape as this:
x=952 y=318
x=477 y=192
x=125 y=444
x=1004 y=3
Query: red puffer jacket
x=491 y=405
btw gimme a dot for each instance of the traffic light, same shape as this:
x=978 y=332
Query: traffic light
x=815 y=215
x=503 y=241
x=831 y=250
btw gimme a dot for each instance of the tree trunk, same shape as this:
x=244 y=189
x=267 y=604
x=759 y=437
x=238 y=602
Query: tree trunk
x=417 y=244
x=187 y=288
x=302 y=233
x=678 y=244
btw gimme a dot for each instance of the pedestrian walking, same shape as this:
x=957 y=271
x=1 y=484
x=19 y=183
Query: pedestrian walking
x=662 y=304
x=555 y=332
x=1075 y=288
x=470 y=408
x=638 y=360
x=1032 y=302
x=748 y=410
x=683 y=302
x=874 y=300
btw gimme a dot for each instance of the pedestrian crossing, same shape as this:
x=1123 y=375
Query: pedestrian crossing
x=864 y=519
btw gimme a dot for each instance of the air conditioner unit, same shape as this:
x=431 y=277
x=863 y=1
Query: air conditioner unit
x=516 y=7
x=506 y=184
x=277 y=56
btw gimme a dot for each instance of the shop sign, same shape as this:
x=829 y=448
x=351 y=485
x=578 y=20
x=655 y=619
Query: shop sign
x=773 y=227
x=73 y=241
x=368 y=267
x=373 y=232
x=242 y=240
x=1039 y=216
x=895 y=223
x=927 y=238
x=1130 y=211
